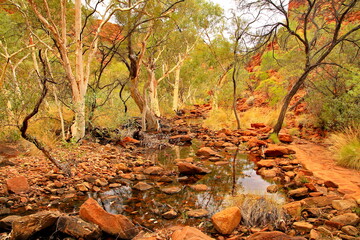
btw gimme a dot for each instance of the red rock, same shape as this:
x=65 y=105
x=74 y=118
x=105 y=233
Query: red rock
x=18 y=184
x=180 y=138
x=24 y=227
x=275 y=235
x=266 y=163
x=76 y=227
x=129 y=140
x=293 y=209
x=277 y=151
x=248 y=133
x=330 y=184
x=199 y=187
x=311 y=187
x=226 y=220
x=154 y=170
x=142 y=186
x=285 y=138
x=117 y=225
x=171 y=190
x=254 y=142
x=190 y=233
x=206 y=152
x=257 y=125
x=190 y=169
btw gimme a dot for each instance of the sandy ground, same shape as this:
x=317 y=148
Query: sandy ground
x=320 y=161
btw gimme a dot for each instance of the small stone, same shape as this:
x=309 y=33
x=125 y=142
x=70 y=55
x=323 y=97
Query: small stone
x=285 y=138
x=188 y=233
x=154 y=170
x=299 y=192
x=268 y=173
x=266 y=163
x=226 y=220
x=277 y=151
x=81 y=187
x=171 y=190
x=170 y=214
x=275 y=235
x=142 y=186
x=344 y=204
x=272 y=188
x=290 y=174
x=18 y=184
x=350 y=230
x=330 y=184
x=199 y=187
x=198 y=213
x=191 y=169
x=303 y=226
x=206 y=152
x=346 y=219
x=101 y=182
x=293 y=209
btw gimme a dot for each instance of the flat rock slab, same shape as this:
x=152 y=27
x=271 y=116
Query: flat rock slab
x=23 y=228
x=142 y=186
x=171 y=190
x=188 y=233
x=198 y=213
x=76 y=227
x=275 y=235
x=18 y=184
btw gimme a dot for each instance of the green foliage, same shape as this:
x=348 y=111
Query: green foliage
x=274 y=88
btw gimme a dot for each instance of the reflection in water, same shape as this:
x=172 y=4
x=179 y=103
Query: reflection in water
x=235 y=178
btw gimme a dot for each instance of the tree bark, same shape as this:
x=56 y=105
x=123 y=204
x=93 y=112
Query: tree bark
x=175 y=106
x=287 y=100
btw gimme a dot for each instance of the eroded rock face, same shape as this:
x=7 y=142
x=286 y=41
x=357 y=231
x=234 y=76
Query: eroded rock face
x=117 y=225
x=226 y=220
x=275 y=235
x=24 y=227
x=190 y=233
x=76 y=227
x=18 y=184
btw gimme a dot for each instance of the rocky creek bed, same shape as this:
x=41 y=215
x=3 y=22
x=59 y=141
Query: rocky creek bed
x=206 y=190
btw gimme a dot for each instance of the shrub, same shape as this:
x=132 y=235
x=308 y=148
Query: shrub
x=346 y=147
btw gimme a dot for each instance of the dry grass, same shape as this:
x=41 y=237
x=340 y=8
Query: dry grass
x=220 y=118
x=259 y=211
x=346 y=146
x=267 y=116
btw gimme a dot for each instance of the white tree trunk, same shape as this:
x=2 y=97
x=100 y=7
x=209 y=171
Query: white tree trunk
x=176 y=90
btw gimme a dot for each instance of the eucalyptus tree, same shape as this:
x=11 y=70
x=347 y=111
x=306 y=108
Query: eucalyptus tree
x=74 y=45
x=319 y=27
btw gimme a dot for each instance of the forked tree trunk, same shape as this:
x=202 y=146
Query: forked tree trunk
x=152 y=123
